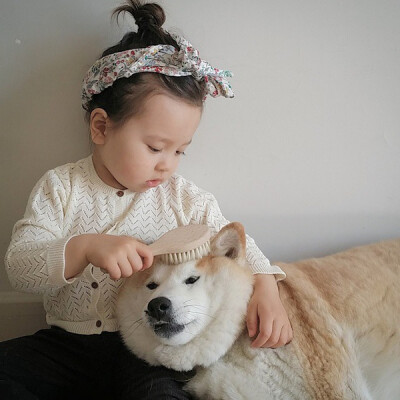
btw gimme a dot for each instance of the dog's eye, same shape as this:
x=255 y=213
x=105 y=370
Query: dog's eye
x=191 y=280
x=152 y=285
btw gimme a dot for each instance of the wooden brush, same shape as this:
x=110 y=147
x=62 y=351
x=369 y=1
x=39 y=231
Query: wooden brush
x=182 y=244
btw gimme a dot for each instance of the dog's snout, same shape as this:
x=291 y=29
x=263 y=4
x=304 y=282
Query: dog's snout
x=159 y=307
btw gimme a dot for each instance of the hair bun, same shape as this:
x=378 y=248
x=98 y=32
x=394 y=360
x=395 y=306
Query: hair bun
x=145 y=15
x=149 y=18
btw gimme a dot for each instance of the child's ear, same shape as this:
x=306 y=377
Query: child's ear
x=230 y=242
x=98 y=125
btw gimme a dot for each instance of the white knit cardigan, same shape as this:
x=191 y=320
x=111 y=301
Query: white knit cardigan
x=71 y=200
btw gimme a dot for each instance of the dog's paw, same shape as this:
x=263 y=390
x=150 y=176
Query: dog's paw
x=171 y=357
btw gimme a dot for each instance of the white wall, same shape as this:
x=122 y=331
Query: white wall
x=306 y=156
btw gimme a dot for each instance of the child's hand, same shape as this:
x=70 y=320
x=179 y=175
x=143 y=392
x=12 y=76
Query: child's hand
x=119 y=256
x=266 y=315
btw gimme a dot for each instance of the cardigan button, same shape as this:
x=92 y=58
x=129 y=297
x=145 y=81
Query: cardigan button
x=95 y=285
x=120 y=193
x=98 y=323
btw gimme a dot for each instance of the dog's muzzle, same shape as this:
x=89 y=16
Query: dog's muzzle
x=160 y=316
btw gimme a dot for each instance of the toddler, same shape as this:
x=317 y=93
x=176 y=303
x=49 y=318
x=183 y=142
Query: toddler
x=87 y=224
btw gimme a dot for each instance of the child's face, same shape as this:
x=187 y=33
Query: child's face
x=146 y=150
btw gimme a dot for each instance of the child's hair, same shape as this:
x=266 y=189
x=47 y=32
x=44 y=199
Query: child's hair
x=126 y=97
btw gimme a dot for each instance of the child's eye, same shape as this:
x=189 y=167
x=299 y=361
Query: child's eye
x=180 y=153
x=154 y=150
x=152 y=285
x=191 y=280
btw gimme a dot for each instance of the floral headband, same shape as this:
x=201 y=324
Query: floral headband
x=163 y=59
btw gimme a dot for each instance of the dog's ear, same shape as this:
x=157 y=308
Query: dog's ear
x=230 y=242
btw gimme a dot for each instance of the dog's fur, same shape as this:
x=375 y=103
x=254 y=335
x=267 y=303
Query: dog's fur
x=344 y=310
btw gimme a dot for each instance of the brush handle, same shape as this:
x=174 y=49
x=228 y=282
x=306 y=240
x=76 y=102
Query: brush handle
x=181 y=239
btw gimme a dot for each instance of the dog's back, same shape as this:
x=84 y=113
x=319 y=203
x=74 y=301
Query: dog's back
x=344 y=309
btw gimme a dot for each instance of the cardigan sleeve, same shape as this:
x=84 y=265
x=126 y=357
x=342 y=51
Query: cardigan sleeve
x=35 y=257
x=205 y=210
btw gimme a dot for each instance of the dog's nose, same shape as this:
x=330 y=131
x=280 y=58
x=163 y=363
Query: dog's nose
x=159 y=307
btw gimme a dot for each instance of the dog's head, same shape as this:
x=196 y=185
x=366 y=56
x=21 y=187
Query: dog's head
x=201 y=301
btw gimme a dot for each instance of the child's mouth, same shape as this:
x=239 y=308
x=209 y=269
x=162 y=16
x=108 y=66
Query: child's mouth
x=153 y=183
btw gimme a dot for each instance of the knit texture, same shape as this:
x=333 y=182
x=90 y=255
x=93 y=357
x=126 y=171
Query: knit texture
x=71 y=200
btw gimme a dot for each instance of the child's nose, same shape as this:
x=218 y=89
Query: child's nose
x=162 y=166
x=165 y=164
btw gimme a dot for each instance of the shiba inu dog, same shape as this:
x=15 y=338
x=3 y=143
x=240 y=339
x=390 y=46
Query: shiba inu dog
x=344 y=310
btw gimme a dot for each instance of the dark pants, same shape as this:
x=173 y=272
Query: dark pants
x=54 y=364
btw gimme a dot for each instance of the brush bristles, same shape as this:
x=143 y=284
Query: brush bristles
x=191 y=255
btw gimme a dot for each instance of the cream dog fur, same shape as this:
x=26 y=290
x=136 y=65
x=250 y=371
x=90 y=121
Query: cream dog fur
x=344 y=310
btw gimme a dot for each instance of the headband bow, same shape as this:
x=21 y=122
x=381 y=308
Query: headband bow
x=163 y=59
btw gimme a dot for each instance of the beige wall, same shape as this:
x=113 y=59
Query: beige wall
x=20 y=318
x=307 y=155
